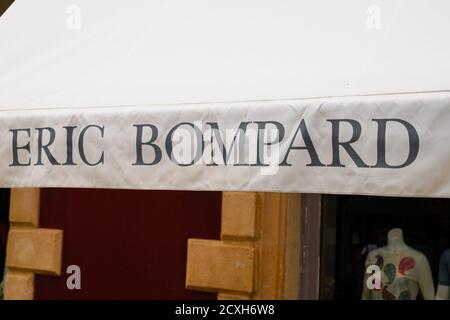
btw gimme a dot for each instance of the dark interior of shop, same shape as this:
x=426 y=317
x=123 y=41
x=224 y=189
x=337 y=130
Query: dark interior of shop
x=352 y=225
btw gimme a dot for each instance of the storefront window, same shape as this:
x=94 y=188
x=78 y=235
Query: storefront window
x=355 y=231
x=4 y=224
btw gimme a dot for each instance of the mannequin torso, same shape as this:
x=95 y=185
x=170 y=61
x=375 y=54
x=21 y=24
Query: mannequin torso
x=404 y=271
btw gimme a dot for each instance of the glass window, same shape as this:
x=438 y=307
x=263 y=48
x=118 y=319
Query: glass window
x=354 y=226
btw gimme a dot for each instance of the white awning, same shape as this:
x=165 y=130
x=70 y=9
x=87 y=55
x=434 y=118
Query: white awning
x=335 y=97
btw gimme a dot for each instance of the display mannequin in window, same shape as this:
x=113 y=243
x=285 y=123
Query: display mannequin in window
x=404 y=271
x=443 y=289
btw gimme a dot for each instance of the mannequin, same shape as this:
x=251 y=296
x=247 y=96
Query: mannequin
x=443 y=289
x=404 y=271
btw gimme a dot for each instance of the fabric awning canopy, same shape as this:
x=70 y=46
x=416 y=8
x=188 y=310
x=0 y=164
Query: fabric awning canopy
x=294 y=96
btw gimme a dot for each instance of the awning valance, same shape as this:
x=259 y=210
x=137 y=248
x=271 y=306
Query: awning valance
x=293 y=96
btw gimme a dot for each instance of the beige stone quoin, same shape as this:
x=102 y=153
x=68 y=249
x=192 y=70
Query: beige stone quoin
x=257 y=256
x=30 y=249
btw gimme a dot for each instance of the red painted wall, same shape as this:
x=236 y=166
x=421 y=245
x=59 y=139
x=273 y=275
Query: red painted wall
x=128 y=244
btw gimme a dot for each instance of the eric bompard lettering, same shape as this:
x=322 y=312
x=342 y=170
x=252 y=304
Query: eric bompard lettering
x=148 y=134
x=22 y=154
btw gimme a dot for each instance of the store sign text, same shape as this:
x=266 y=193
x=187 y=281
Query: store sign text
x=251 y=143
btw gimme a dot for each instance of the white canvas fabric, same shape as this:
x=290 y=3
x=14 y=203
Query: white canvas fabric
x=89 y=88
